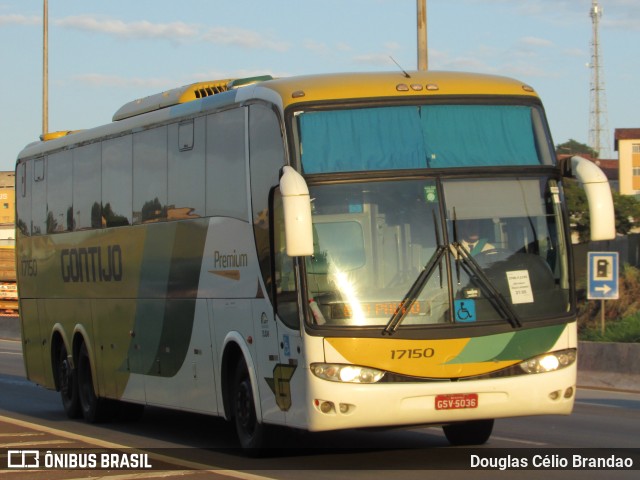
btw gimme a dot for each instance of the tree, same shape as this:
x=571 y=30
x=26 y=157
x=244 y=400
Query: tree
x=578 y=208
x=627 y=213
x=627 y=208
x=573 y=147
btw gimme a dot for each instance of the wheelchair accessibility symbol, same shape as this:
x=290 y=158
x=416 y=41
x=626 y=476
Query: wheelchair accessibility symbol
x=465 y=310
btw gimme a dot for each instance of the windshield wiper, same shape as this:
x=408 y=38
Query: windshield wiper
x=495 y=297
x=416 y=288
x=414 y=292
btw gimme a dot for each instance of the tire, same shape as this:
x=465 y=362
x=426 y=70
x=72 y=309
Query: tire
x=67 y=384
x=94 y=409
x=476 y=432
x=251 y=433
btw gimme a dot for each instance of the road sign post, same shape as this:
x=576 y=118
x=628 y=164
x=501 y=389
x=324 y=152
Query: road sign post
x=602 y=282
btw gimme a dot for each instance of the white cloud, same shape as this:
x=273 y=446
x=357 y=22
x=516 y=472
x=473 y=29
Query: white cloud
x=373 y=59
x=535 y=42
x=139 y=29
x=175 y=31
x=13 y=19
x=319 y=48
x=575 y=52
x=243 y=38
x=100 y=80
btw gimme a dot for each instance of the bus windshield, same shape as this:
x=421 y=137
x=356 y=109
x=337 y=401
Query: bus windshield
x=434 y=252
x=422 y=136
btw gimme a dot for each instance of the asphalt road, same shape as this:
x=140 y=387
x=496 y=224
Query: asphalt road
x=601 y=420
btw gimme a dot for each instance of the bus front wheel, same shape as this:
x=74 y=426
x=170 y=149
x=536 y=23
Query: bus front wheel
x=475 y=432
x=251 y=433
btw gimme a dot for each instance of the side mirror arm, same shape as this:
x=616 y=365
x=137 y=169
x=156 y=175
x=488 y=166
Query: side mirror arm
x=598 y=192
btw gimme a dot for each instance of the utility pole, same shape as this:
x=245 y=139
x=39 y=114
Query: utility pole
x=45 y=69
x=423 y=62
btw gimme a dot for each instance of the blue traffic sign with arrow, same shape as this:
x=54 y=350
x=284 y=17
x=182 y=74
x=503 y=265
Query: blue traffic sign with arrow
x=603 y=276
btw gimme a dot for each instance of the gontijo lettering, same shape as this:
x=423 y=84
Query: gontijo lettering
x=91 y=264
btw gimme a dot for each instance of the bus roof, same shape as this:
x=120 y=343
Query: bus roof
x=335 y=86
x=316 y=88
x=286 y=92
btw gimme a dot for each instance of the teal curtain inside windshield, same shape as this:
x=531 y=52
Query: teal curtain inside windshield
x=365 y=139
x=436 y=136
x=478 y=135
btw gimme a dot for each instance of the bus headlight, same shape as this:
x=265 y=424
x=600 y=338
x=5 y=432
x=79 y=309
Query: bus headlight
x=336 y=372
x=549 y=361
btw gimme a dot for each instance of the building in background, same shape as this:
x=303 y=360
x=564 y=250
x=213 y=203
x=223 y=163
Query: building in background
x=627 y=144
x=7 y=208
x=8 y=287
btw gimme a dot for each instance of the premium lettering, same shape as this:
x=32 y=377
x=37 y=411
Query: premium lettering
x=91 y=264
x=233 y=260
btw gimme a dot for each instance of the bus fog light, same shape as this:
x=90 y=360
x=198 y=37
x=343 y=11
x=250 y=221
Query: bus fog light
x=346 y=408
x=326 y=407
x=568 y=393
x=555 y=395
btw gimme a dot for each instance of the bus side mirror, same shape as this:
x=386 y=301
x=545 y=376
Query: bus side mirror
x=296 y=204
x=598 y=192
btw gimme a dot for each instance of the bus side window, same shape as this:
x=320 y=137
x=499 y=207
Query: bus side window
x=39 y=198
x=285 y=281
x=150 y=175
x=226 y=165
x=59 y=192
x=117 y=187
x=86 y=187
x=186 y=176
x=23 y=200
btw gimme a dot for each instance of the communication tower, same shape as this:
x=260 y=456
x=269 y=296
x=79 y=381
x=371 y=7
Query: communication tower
x=598 y=124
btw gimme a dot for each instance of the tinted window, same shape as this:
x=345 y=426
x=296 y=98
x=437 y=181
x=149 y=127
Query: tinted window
x=116 y=181
x=226 y=170
x=150 y=175
x=186 y=169
x=266 y=159
x=87 y=187
x=59 y=192
x=23 y=197
x=39 y=198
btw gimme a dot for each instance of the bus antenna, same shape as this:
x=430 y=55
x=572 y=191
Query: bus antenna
x=401 y=69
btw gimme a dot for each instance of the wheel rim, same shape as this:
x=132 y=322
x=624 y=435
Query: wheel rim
x=85 y=383
x=245 y=413
x=65 y=377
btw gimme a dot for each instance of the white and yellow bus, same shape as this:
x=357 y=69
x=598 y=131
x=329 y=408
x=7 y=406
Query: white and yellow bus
x=323 y=252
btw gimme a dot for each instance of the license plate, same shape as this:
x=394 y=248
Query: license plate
x=460 y=400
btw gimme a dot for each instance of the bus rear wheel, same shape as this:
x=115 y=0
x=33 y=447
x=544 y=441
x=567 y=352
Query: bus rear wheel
x=67 y=384
x=475 y=432
x=251 y=433
x=94 y=409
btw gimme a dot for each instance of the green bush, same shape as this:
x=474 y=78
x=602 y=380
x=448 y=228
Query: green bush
x=626 y=330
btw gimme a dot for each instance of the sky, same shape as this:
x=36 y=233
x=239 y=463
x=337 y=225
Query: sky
x=103 y=54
